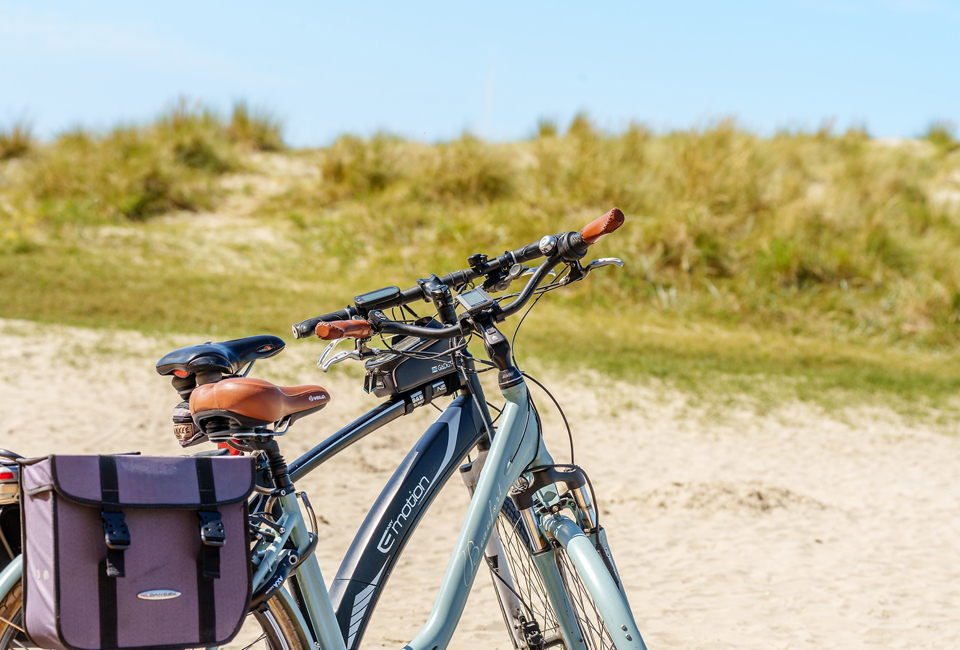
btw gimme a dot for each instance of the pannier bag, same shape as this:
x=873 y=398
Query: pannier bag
x=135 y=551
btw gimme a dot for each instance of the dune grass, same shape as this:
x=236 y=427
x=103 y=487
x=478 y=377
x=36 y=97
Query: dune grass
x=16 y=140
x=827 y=235
x=821 y=266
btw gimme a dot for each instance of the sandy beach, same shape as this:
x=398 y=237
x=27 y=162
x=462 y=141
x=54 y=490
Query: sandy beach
x=793 y=529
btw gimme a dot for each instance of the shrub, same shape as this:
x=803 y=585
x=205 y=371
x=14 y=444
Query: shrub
x=355 y=167
x=466 y=170
x=943 y=135
x=255 y=129
x=16 y=141
x=195 y=136
x=129 y=172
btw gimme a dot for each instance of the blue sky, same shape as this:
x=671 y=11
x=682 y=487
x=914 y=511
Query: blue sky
x=431 y=70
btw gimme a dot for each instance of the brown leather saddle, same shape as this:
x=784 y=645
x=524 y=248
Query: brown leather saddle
x=239 y=405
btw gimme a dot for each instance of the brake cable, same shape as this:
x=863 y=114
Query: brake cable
x=559 y=408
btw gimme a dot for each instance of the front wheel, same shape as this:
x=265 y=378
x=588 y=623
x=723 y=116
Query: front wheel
x=530 y=615
x=271 y=629
x=11 y=618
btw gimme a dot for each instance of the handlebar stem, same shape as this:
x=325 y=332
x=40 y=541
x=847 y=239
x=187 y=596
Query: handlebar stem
x=439 y=293
x=498 y=349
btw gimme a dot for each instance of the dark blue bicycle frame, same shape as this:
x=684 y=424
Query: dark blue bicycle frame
x=363 y=573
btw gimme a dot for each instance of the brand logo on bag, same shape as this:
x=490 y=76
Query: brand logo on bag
x=158 y=594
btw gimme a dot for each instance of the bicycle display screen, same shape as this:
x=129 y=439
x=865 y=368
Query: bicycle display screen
x=374 y=299
x=475 y=300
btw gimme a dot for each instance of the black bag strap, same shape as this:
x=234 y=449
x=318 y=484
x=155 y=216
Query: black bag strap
x=212 y=537
x=115 y=531
x=107 y=593
x=117 y=538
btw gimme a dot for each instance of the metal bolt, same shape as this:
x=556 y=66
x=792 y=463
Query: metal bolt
x=629 y=638
x=623 y=627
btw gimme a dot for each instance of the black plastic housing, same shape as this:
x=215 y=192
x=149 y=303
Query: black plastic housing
x=378 y=299
x=395 y=374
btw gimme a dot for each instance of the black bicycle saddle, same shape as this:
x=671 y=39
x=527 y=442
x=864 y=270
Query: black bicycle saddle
x=228 y=358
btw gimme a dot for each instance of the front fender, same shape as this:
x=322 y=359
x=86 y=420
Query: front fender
x=10 y=575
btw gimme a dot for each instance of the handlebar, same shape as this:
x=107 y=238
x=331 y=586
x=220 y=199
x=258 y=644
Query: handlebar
x=343 y=329
x=308 y=327
x=567 y=247
x=602 y=226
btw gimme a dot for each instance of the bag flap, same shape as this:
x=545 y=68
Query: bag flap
x=143 y=481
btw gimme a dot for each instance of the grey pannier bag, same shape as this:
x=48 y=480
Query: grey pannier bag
x=135 y=552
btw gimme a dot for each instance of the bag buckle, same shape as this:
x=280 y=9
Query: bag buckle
x=115 y=531
x=211 y=529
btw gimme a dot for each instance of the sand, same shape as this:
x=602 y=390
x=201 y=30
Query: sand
x=792 y=529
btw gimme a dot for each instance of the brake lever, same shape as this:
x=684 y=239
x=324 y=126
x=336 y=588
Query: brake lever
x=337 y=358
x=578 y=272
x=515 y=272
x=359 y=353
x=327 y=351
x=603 y=261
x=534 y=270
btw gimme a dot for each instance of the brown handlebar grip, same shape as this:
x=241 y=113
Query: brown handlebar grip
x=602 y=227
x=343 y=329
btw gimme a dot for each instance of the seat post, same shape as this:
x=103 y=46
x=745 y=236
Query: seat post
x=276 y=467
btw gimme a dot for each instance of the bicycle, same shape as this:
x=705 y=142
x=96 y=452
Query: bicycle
x=532 y=521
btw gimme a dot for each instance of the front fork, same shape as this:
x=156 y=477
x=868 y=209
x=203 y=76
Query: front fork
x=541 y=494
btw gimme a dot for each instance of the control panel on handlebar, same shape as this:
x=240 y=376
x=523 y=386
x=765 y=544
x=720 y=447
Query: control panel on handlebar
x=475 y=300
x=379 y=299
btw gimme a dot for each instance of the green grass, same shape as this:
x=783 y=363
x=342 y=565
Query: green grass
x=818 y=266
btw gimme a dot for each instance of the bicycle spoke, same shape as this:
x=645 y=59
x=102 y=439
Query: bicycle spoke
x=595 y=633
x=256 y=641
x=531 y=591
x=527 y=580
